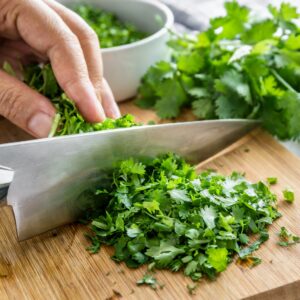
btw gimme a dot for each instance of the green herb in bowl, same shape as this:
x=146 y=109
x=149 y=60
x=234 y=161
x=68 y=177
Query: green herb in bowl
x=110 y=29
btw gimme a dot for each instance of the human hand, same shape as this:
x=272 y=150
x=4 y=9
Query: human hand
x=41 y=30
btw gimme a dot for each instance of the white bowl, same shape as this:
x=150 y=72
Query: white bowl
x=125 y=65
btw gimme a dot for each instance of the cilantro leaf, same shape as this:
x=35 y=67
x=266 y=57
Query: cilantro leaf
x=172 y=97
x=164 y=253
x=209 y=215
x=217 y=258
x=203 y=109
x=264 y=236
x=259 y=31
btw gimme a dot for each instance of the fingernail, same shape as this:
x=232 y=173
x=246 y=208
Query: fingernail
x=40 y=124
x=100 y=110
x=98 y=114
x=115 y=111
x=108 y=97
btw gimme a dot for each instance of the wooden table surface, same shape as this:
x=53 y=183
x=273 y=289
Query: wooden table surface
x=56 y=265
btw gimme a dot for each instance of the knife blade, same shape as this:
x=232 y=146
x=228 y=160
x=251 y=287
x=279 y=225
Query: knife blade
x=50 y=176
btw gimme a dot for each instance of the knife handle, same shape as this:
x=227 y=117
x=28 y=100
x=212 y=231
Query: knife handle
x=6 y=176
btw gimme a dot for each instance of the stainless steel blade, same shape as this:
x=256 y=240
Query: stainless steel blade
x=50 y=175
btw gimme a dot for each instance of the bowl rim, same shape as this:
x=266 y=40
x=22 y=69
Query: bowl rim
x=168 y=24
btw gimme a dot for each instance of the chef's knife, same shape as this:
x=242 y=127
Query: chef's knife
x=47 y=178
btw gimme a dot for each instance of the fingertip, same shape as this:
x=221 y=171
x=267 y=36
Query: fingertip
x=110 y=106
x=40 y=124
x=87 y=102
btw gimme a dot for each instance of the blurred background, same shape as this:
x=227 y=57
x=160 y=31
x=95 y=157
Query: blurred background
x=194 y=14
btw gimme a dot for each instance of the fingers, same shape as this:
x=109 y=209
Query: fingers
x=108 y=101
x=24 y=107
x=88 y=41
x=90 y=45
x=43 y=29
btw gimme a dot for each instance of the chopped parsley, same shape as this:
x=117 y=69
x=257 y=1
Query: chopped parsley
x=162 y=213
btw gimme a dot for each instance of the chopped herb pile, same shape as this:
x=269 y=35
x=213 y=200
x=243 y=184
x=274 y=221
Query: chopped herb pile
x=287 y=238
x=110 y=30
x=68 y=120
x=240 y=67
x=160 y=212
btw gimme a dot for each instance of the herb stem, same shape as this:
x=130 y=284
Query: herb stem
x=54 y=125
x=283 y=82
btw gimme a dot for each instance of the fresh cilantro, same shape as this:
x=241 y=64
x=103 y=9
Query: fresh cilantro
x=286 y=238
x=238 y=68
x=288 y=195
x=109 y=28
x=217 y=258
x=68 y=120
x=162 y=213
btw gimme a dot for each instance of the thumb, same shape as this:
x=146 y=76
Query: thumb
x=25 y=107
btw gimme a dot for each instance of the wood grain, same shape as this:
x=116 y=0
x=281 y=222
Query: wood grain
x=56 y=266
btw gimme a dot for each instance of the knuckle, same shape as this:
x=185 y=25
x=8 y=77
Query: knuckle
x=70 y=83
x=10 y=103
x=98 y=85
x=88 y=35
x=68 y=38
x=9 y=11
x=64 y=42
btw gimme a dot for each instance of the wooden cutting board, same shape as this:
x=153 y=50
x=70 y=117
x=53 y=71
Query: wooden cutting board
x=56 y=265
